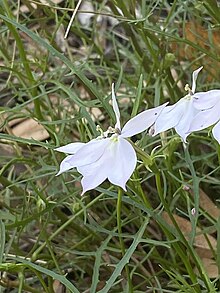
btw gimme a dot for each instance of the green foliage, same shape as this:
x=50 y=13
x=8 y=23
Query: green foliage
x=108 y=240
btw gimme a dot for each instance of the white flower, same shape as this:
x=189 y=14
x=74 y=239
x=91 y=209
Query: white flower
x=209 y=105
x=180 y=114
x=110 y=156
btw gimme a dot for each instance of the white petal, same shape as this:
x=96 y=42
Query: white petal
x=194 y=78
x=123 y=163
x=142 y=121
x=116 y=109
x=216 y=132
x=70 y=148
x=101 y=165
x=189 y=113
x=65 y=165
x=91 y=182
x=90 y=152
x=205 y=119
x=95 y=173
x=170 y=117
x=206 y=100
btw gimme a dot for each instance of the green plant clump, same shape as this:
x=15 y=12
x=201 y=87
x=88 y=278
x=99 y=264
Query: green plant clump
x=58 y=60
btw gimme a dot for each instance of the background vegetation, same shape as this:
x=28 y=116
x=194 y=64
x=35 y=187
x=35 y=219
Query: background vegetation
x=55 y=90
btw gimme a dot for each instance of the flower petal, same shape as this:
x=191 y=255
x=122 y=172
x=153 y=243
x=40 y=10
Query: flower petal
x=70 y=148
x=142 y=121
x=206 y=100
x=170 y=116
x=65 y=165
x=91 y=182
x=99 y=166
x=95 y=173
x=205 y=119
x=216 y=132
x=123 y=163
x=90 y=152
x=116 y=109
x=189 y=113
x=194 y=78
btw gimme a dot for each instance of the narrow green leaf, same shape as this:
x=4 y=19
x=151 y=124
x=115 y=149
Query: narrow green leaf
x=25 y=140
x=90 y=87
x=98 y=259
x=125 y=259
x=137 y=100
x=2 y=240
x=45 y=271
x=213 y=9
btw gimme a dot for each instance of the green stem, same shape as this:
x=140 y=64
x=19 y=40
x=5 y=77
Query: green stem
x=7 y=184
x=178 y=249
x=189 y=247
x=195 y=180
x=62 y=227
x=147 y=160
x=119 y=206
x=15 y=284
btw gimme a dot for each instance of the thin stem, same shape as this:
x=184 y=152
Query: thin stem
x=178 y=249
x=6 y=283
x=62 y=227
x=119 y=207
x=186 y=243
x=7 y=184
x=195 y=180
x=23 y=59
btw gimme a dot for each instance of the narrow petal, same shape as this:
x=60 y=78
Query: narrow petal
x=65 y=165
x=123 y=163
x=116 y=109
x=170 y=117
x=194 y=78
x=205 y=119
x=206 y=100
x=142 y=121
x=90 y=152
x=70 y=148
x=216 y=132
x=189 y=113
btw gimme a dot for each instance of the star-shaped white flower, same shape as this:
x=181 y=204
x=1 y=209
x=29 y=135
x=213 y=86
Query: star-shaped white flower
x=179 y=115
x=110 y=156
x=209 y=105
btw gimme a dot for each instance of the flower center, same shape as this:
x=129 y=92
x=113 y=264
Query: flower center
x=110 y=132
x=114 y=137
x=188 y=89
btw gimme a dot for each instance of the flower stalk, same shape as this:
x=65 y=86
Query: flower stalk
x=121 y=241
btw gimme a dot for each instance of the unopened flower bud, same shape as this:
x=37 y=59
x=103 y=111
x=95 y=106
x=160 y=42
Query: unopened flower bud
x=193 y=211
